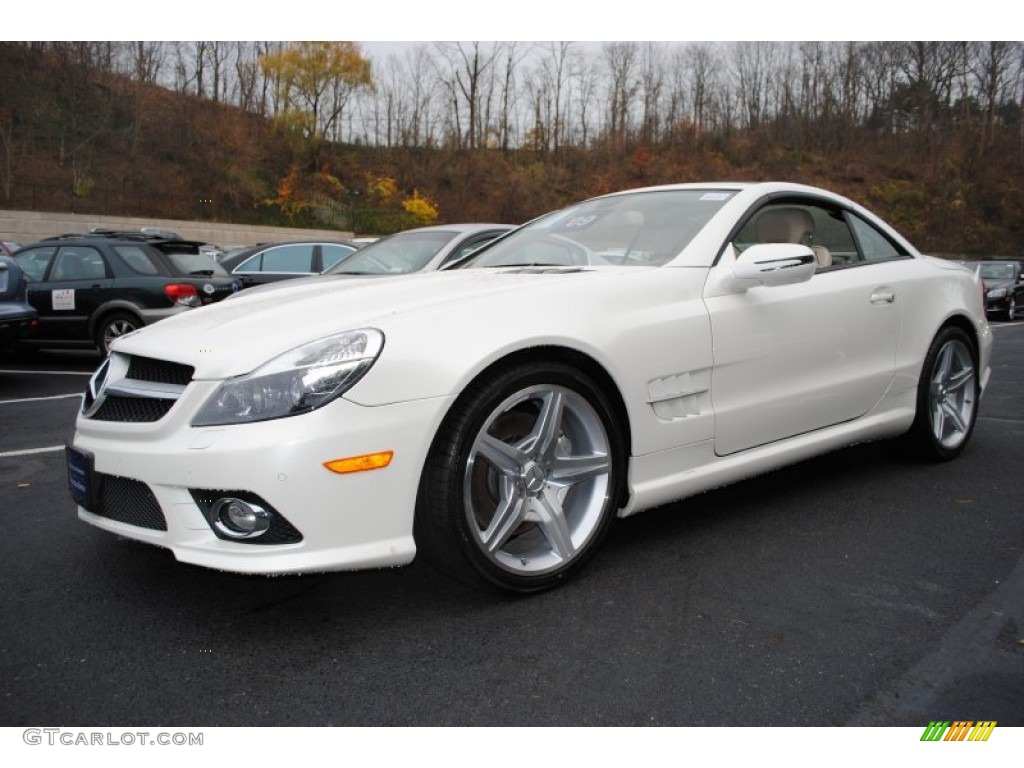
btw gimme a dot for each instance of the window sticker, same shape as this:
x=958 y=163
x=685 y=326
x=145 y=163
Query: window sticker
x=717 y=196
x=63 y=298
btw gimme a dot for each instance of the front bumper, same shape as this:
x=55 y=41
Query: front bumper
x=360 y=520
x=1000 y=306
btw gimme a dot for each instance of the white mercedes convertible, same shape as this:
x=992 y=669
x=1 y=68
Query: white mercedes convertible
x=605 y=359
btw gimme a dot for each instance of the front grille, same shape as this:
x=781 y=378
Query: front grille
x=128 y=501
x=279 y=532
x=162 y=371
x=137 y=409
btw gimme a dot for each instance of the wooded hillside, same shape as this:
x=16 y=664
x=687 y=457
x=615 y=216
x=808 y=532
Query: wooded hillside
x=927 y=134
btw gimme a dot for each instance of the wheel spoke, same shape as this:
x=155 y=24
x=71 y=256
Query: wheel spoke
x=543 y=438
x=942 y=369
x=954 y=416
x=552 y=523
x=507 y=517
x=505 y=458
x=961 y=379
x=939 y=421
x=569 y=470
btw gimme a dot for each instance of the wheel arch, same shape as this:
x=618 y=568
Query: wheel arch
x=963 y=323
x=112 y=308
x=567 y=356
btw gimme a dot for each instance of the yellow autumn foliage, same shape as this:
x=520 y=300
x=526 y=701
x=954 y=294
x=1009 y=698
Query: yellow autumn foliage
x=420 y=208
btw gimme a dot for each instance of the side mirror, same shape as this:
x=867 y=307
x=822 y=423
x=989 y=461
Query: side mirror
x=772 y=264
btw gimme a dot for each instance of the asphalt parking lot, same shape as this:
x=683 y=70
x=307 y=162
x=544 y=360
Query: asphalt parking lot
x=858 y=588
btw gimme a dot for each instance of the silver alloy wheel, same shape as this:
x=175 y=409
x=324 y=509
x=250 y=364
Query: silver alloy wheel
x=537 y=479
x=951 y=397
x=116 y=328
x=1011 y=311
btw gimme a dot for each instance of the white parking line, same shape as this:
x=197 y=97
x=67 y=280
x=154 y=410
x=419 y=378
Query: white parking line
x=52 y=373
x=30 y=451
x=37 y=399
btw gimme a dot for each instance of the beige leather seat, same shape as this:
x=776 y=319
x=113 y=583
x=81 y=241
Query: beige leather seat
x=790 y=225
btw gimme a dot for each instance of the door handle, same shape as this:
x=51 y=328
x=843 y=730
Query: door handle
x=883 y=296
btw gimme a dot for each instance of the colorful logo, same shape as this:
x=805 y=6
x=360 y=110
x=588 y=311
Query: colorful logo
x=958 y=730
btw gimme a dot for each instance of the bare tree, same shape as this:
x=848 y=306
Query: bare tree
x=753 y=64
x=465 y=77
x=146 y=61
x=992 y=68
x=652 y=83
x=621 y=61
x=703 y=66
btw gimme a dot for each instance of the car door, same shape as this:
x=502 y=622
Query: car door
x=76 y=284
x=796 y=358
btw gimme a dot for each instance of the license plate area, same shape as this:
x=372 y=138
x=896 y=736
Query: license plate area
x=81 y=477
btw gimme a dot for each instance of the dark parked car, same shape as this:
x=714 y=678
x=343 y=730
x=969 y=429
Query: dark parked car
x=1004 y=288
x=270 y=262
x=90 y=289
x=17 y=316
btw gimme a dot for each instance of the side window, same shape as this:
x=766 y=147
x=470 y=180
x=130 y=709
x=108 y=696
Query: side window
x=820 y=227
x=332 y=254
x=288 y=258
x=78 y=263
x=874 y=246
x=34 y=262
x=252 y=264
x=469 y=245
x=137 y=259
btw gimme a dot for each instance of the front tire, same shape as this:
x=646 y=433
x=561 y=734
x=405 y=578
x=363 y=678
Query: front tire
x=947 y=396
x=522 y=480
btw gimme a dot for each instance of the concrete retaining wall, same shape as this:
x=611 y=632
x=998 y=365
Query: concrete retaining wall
x=29 y=226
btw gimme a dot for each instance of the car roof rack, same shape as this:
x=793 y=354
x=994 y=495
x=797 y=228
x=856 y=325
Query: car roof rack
x=146 y=233
x=150 y=238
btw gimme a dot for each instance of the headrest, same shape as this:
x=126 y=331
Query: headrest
x=784 y=225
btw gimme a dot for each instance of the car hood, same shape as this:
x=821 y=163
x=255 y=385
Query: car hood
x=236 y=336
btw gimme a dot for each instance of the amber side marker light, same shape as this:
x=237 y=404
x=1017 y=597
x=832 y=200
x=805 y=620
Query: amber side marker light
x=363 y=463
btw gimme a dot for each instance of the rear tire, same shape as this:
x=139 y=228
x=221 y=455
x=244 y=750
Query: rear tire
x=114 y=326
x=523 y=479
x=947 y=396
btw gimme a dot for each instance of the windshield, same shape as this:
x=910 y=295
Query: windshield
x=995 y=271
x=196 y=264
x=640 y=229
x=399 y=254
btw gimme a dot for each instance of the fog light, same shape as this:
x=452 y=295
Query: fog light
x=239 y=519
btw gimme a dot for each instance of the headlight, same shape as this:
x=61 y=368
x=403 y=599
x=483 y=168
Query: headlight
x=997 y=293
x=298 y=381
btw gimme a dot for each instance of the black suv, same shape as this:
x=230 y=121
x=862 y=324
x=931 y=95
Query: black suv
x=90 y=289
